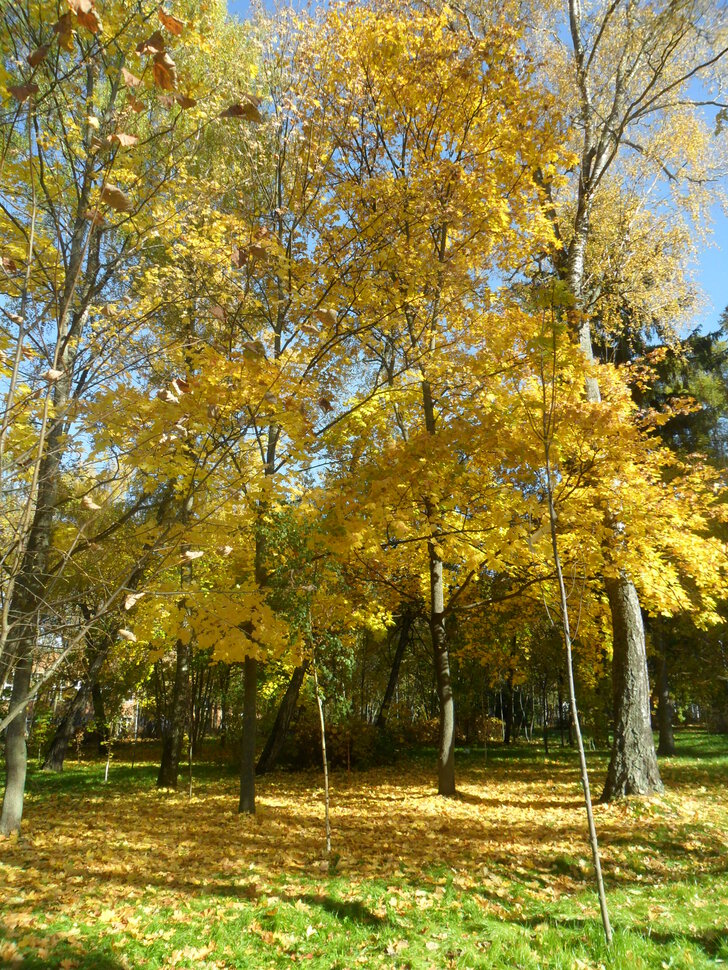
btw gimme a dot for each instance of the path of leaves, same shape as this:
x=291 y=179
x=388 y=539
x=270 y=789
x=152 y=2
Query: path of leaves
x=114 y=858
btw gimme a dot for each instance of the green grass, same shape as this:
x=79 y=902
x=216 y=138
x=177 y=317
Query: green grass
x=121 y=875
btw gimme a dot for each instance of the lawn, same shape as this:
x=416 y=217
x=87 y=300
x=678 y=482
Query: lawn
x=122 y=875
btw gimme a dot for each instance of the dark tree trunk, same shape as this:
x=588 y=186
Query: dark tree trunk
x=247 y=761
x=508 y=711
x=100 y=727
x=544 y=704
x=16 y=752
x=633 y=766
x=274 y=743
x=665 y=708
x=173 y=735
x=75 y=716
x=404 y=635
x=446 y=748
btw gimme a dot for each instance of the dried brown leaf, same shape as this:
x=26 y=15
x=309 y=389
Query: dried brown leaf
x=112 y=195
x=165 y=71
x=152 y=45
x=86 y=15
x=173 y=25
x=130 y=80
x=122 y=139
x=247 y=110
x=38 y=55
x=21 y=92
x=64 y=28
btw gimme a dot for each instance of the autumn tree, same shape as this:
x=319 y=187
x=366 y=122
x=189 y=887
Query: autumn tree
x=75 y=219
x=435 y=192
x=630 y=71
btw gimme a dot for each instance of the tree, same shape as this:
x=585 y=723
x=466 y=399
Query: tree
x=435 y=141
x=650 y=56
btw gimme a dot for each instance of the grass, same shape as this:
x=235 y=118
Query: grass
x=120 y=875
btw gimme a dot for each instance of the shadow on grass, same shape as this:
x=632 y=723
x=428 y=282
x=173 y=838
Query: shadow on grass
x=90 y=959
x=713 y=942
x=349 y=910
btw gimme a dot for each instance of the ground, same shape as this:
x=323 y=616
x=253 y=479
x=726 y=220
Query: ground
x=119 y=874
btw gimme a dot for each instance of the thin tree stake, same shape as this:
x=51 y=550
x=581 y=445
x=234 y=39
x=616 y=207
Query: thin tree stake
x=323 y=754
x=546 y=438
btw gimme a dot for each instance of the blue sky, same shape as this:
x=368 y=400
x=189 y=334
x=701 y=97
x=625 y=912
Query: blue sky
x=711 y=271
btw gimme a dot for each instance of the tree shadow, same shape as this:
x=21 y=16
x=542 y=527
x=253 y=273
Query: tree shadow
x=91 y=958
x=351 y=910
x=713 y=942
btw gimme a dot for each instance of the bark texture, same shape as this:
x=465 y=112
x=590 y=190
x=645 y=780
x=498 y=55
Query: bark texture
x=76 y=715
x=174 y=733
x=16 y=751
x=276 y=739
x=405 y=627
x=247 y=761
x=633 y=765
x=446 y=749
x=665 y=708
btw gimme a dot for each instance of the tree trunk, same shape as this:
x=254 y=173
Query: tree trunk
x=173 y=737
x=100 y=728
x=247 y=761
x=75 y=717
x=560 y=698
x=544 y=704
x=508 y=712
x=633 y=766
x=404 y=634
x=276 y=738
x=446 y=750
x=665 y=707
x=16 y=752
